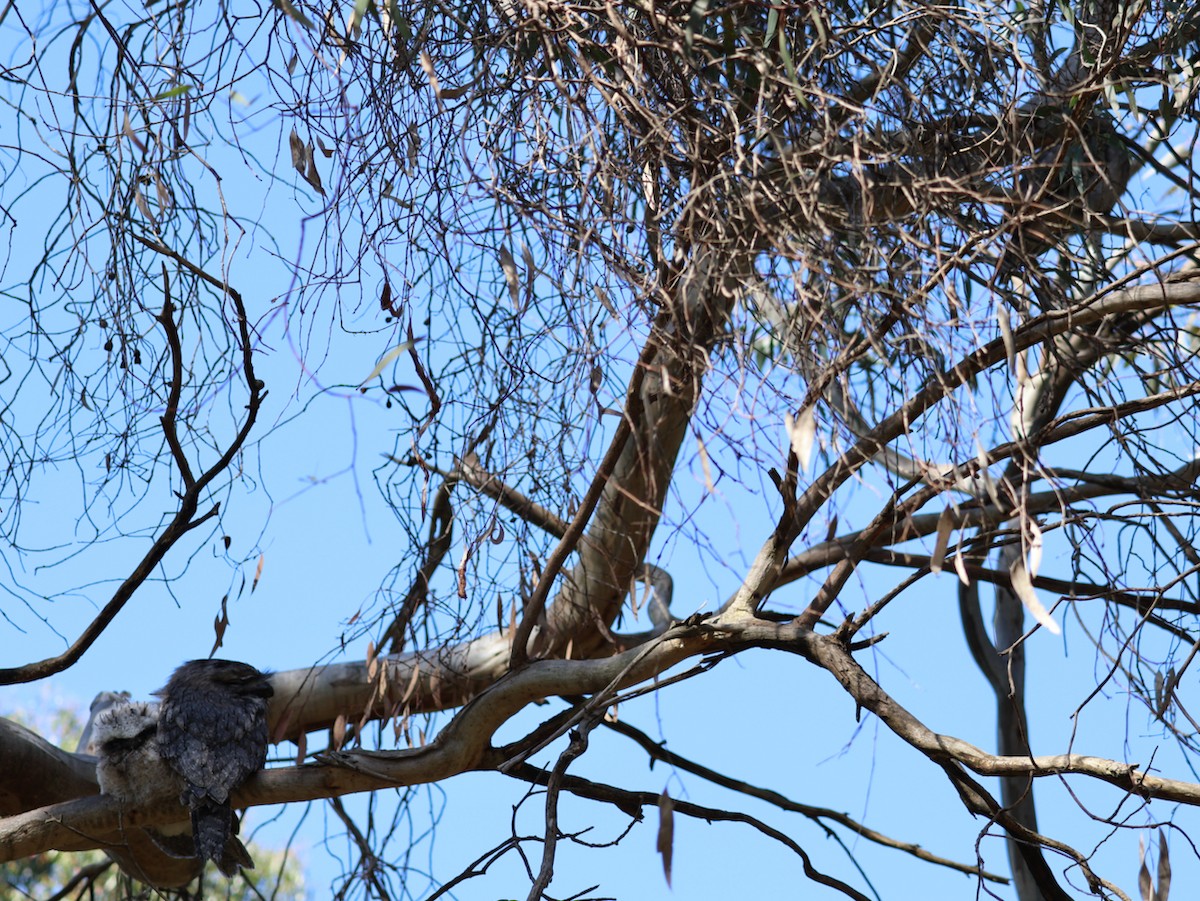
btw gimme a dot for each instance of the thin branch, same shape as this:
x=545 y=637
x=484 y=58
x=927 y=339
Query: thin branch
x=368 y=860
x=632 y=803
x=658 y=751
x=575 y=748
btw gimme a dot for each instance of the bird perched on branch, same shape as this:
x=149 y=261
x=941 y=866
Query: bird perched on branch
x=125 y=738
x=212 y=732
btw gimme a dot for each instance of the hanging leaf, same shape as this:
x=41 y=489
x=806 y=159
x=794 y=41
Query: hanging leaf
x=372 y=661
x=1022 y=587
x=1035 y=547
x=140 y=199
x=1006 y=335
x=299 y=152
x=801 y=432
x=257 y=572
x=312 y=176
x=160 y=189
x=1145 y=886
x=666 y=832
x=511 y=277
x=427 y=66
x=607 y=303
x=186 y=125
x=1164 y=867
x=945 y=525
x=127 y=130
x=530 y=270
x=960 y=567
x=220 y=624
x=705 y=467
x=386 y=359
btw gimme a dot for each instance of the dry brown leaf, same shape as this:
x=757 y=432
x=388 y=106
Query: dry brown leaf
x=666 y=832
x=160 y=189
x=220 y=624
x=372 y=661
x=1164 y=867
x=1145 y=887
x=412 y=685
x=605 y=302
x=258 y=572
x=128 y=131
x=140 y=199
x=312 y=176
x=299 y=152
x=462 y=572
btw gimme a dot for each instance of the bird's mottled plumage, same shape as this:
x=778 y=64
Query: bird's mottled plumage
x=125 y=739
x=212 y=732
x=129 y=768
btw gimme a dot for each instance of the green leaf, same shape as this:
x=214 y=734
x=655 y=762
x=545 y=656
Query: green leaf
x=178 y=91
x=286 y=7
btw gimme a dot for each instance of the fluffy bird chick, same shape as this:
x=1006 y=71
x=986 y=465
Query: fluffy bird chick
x=212 y=732
x=130 y=768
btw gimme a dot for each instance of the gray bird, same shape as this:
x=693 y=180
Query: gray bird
x=212 y=732
x=124 y=737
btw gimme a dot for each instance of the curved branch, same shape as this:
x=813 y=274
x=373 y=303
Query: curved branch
x=632 y=802
x=658 y=751
x=462 y=744
x=185 y=518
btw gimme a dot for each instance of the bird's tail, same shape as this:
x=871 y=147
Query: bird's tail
x=214 y=828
